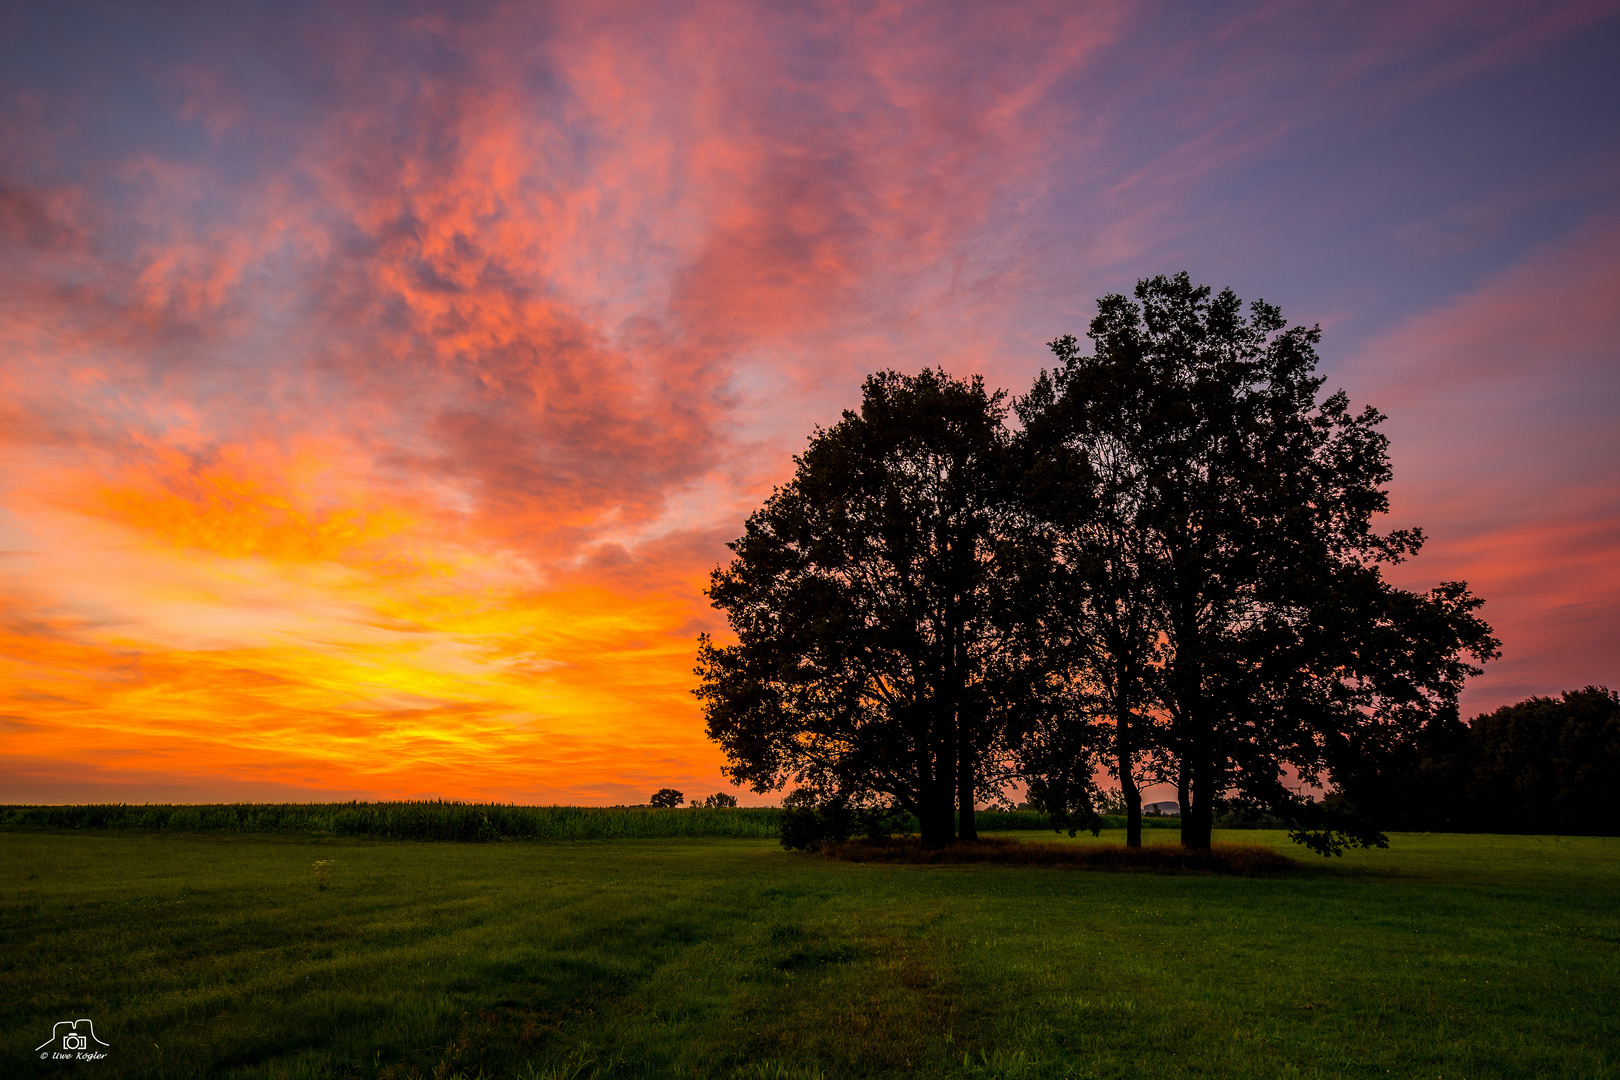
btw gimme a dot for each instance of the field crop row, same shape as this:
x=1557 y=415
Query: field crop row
x=457 y=821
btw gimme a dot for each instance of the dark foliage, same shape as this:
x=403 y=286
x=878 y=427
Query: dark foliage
x=1544 y=765
x=878 y=823
x=1220 y=601
x=1548 y=765
x=869 y=662
x=1236 y=814
x=807 y=825
x=1171 y=572
x=666 y=798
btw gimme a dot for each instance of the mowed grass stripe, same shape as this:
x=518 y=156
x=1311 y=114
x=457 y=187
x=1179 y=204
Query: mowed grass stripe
x=202 y=956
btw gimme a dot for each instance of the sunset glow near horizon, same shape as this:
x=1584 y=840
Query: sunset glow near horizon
x=382 y=382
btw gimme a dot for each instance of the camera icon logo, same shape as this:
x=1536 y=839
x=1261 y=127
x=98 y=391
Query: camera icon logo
x=72 y=1037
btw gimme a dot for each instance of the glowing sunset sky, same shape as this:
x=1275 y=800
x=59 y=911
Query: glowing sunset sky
x=378 y=384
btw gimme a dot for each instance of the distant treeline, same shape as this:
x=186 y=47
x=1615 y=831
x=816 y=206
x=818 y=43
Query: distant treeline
x=457 y=821
x=1545 y=765
x=433 y=820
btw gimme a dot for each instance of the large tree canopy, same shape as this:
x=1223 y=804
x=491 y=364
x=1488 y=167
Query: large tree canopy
x=1172 y=567
x=864 y=601
x=1224 y=566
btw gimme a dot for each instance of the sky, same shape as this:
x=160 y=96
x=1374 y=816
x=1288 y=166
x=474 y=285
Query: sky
x=379 y=383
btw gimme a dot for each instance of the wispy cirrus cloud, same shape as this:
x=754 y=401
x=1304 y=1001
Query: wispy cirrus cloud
x=1503 y=409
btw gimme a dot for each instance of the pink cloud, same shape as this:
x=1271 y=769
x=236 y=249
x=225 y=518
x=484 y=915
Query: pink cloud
x=1503 y=412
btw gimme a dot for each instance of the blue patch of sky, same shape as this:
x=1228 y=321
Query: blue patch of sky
x=1361 y=203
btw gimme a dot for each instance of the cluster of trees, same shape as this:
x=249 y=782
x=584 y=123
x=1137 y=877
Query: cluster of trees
x=1165 y=571
x=668 y=798
x=1545 y=765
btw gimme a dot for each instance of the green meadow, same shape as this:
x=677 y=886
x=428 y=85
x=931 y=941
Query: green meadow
x=234 y=954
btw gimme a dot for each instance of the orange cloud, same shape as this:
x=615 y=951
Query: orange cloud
x=236 y=507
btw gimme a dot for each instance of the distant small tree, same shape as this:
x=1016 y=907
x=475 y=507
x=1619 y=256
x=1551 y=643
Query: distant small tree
x=719 y=801
x=667 y=798
x=1112 y=803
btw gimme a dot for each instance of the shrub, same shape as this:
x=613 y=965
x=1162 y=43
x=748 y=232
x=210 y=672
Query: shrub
x=806 y=827
x=880 y=823
x=1234 y=814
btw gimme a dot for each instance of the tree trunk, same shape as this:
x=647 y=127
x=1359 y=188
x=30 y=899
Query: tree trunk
x=948 y=775
x=935 y=822
x=1198 y=814
x=937 y=814
x=1128 y=790
x=939 y=793
x=1183 y=787
x=1198 y=824
x=967 y=827
x=1133 y=802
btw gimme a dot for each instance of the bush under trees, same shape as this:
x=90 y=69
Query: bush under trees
x=807 y=825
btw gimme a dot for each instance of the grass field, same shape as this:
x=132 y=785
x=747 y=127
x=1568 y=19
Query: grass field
x=203 y=954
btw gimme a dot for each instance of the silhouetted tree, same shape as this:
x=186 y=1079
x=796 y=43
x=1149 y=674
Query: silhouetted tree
x=666 y=798
x=1225 y=577
x=1542 y=765
x=864 y=599
x=1082 y=494
x=1416 y=783
x=1548 y=765
x=1175 y=564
